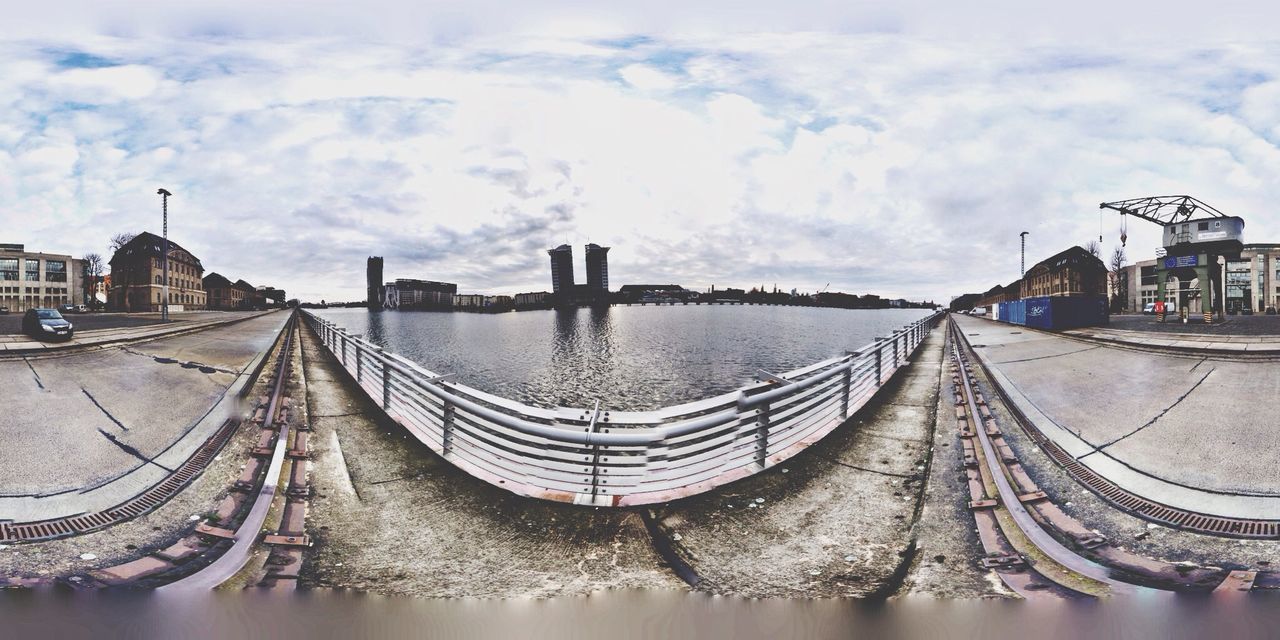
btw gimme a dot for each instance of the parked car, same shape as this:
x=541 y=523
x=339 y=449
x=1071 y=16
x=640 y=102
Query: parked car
x=1271 y=311
x=1247 y=311
x=46 y=323
x=82 y=308
x=66 y=308
x=1149 y=309
x=4 y=311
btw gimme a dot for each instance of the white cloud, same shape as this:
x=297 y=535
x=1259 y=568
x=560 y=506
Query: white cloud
x=878 y=162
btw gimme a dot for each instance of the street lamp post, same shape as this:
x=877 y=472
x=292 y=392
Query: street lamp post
x=164 y=257
x=1024 y=253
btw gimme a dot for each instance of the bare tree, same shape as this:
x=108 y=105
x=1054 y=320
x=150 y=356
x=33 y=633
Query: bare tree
x=1119 y=283
x=123 y=278
x=92 y=275
x=120 y=240
x=1094 y=248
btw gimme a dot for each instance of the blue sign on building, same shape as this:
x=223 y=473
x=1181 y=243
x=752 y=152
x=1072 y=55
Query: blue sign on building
x=1173 y=262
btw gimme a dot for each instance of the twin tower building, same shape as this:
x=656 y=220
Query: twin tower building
x=563 y=286
x=409 y=294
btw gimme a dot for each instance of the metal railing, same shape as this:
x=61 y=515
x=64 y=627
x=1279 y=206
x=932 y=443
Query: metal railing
x=620 y=458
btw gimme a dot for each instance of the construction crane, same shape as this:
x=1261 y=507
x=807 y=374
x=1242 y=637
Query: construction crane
x=824 y=289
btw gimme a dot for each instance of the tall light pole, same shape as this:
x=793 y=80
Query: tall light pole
x=164 y=257
x=1024 y=253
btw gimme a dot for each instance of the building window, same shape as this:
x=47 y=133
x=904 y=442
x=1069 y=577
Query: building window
x=55 y=270
x=33 y=271
x=8 y=268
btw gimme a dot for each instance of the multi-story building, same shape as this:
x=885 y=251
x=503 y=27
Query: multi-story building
x=373 y=277
x=137 y=276
x=271 y=296
x=561 y=270
x=598 y=270
x=469 y=301
x=1074 y=272
x=1253 y=282
x=220 y=294
x=421 y=294
x=33 y=279
x=533 y=300
x=251 y=297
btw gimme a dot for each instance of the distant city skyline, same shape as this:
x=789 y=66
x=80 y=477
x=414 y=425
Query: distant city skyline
x=887 y=152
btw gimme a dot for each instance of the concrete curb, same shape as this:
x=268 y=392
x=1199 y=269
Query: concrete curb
x=73 y=346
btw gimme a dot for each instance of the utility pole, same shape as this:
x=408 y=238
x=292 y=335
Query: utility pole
x=1024 y=253
x=164 y=258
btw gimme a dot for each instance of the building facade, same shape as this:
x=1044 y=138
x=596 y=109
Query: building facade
x=137 y=277
x=406 y=293
x=34 y=279
x=598 y=269
x=1253 y=282
x=374 y=297
x=561 y=270
x=220 y=294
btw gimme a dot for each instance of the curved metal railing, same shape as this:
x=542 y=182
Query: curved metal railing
x=621 y=458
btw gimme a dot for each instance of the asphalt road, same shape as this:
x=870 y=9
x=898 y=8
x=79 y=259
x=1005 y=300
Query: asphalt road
x=78 y=420
x=12 y=323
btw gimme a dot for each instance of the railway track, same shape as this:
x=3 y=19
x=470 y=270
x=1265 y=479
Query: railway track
x=1036 y=549
x=217 y=550
x=287 y=543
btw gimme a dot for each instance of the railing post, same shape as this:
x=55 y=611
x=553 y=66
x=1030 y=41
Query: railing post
x=386 y=386
x=342 y=335
x=762 y=435
x=895 y=351
x=879 y=360
x=447 y=424
x=844 y=400
x=359 y=361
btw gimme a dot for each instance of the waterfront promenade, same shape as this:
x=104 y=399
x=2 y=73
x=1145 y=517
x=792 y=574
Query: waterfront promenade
x=1192 y=431
x=89 y=429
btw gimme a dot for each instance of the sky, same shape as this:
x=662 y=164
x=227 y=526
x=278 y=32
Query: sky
x=887 y=148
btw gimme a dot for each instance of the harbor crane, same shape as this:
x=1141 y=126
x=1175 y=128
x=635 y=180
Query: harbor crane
x=1195 y=236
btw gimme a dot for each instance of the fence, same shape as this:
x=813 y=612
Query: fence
x=621 y=458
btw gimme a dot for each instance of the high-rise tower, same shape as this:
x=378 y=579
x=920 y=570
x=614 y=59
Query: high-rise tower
x=561 y=270
x=373 y=278
x=597 y=270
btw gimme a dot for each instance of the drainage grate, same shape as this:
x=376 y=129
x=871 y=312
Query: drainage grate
x=139 y=505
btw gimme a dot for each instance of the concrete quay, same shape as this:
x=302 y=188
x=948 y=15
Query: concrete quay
x=88 y=430
x=1190 y=432
x=391 y=517
x=112 y=329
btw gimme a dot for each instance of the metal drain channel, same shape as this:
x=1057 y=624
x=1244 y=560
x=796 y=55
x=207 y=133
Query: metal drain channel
x=1125 y=500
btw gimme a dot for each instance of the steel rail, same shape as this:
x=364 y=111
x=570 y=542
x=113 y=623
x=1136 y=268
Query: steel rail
x=618 y=458
x=1027 y=525
x=234 y=559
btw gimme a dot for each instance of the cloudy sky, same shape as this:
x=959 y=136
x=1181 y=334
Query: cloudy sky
x=887 y=148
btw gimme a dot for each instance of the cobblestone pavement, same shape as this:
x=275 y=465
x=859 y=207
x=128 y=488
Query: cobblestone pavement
x=1256 y=325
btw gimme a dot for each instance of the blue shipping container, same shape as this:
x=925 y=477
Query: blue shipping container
x=1057 y=313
